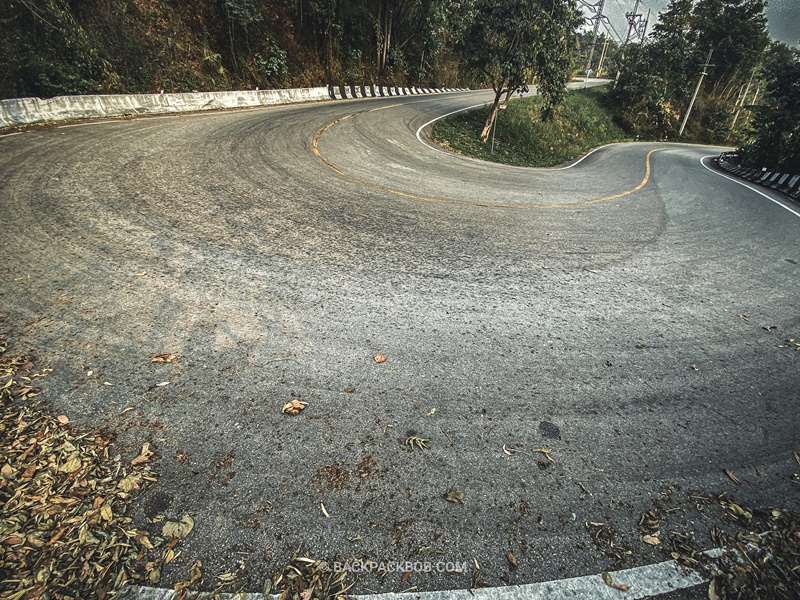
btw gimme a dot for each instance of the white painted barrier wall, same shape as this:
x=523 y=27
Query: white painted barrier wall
x=21 y=111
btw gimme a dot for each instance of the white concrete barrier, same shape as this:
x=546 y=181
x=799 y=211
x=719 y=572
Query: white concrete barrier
x=21 y=111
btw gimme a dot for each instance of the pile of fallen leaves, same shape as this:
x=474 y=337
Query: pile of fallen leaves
x=609 y=542
x=306 y=578
x=760 y=555
x=758 y=565
x=64 y=495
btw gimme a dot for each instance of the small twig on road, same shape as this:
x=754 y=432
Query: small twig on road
x=447 y=436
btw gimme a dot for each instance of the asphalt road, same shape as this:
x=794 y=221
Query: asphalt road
x=620 y=328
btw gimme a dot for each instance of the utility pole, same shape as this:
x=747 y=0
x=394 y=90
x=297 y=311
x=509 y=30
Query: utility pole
x=643 y=27
x=632 y=19
x=598 y=8
x=634 y=23
x=696 y=91
x=602 y=57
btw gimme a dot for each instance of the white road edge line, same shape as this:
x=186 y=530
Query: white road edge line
x=87 y=124
x=10 y=134
x=749 y=187
x=644 y=582
x=432 y=121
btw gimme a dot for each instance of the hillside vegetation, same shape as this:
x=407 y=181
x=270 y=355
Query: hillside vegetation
x=52 y=47
x=523 y=138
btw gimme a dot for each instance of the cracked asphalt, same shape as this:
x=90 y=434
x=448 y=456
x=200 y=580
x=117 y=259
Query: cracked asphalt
x=626 y=336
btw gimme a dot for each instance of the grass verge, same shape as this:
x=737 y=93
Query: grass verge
x=521 y=138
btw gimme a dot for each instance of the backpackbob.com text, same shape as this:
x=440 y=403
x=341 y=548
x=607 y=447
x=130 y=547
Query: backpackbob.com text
x=371 y=566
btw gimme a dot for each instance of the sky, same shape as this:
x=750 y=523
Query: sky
x=783 y=16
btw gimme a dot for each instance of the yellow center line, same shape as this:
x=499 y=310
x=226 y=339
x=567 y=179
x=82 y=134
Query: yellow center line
x=318 y=154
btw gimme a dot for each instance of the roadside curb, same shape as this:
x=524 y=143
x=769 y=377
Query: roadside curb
x=648 y=581
x=785 y=183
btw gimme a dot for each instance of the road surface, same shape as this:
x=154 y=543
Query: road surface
x=613 y=313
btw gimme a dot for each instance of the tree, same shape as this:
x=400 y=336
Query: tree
x=776 y=126
x=640 y=97
x=512 y=42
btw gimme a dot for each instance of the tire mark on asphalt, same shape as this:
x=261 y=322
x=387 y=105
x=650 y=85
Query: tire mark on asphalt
x=318 y=154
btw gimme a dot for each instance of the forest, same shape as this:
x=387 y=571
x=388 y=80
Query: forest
x=56 y=47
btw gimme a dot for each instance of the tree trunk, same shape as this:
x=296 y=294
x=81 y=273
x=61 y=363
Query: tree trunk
x=487 y=128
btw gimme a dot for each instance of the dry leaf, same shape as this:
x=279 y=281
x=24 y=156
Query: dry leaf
x=379 y=358
x=405 y=578
x=546 y=452
x=226 y=577
x=609 y=582
x=349 y=390
x=173 y=529
x=129 y=483
x=144 y=456
x=105 y=512
x=651 y=539
x=63 y=419
x=14 y=540
x=293 y=407
x=455 y=496
x=72 y=465
x=732 y=477
x=166 y=358
x=512 y=560
x=324 y=512
x=417 y=442
x=713 y=594
x=162 y=384
x=739 y=511
x=7 y=471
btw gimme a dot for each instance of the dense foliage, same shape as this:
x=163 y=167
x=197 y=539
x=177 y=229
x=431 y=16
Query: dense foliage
x=776 y=125
x=51 y=47
x=657 y=79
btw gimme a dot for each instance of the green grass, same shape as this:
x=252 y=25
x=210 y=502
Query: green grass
x=521 y=138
